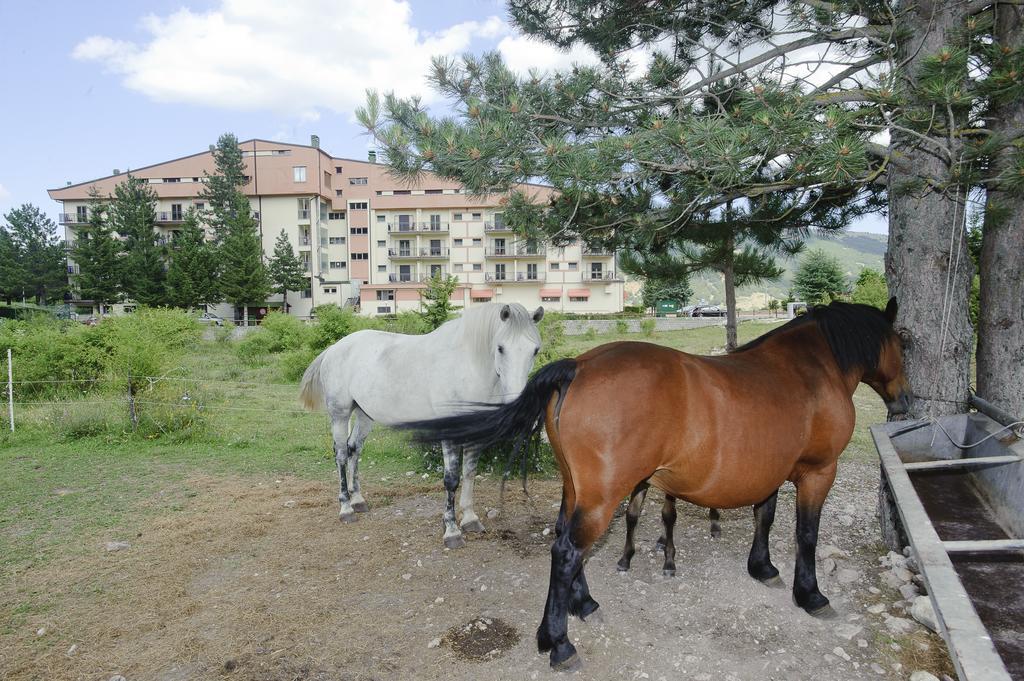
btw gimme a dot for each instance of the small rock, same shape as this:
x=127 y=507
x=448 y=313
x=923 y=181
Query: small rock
x=439 y=599
x=41 y=631
x=434 y=643
x=918 y=581
x=840 y=653
x=830 y=551
x=407 y=576
x=846 y=520
x=547 y=531
x=290 y=503
x=923 y=612
x=828 y=566
x=912 y=565
x=117 y=677
x=877 y=608
x=906 y=551
x=902 y=573
x=877 y=668
x=117 y=545
x=899 y=625
x=921 y=675
x=908 y=591
x=890 y=579
x=893 y=559
x=492 y=513
x=862 y=643
x=874 y=589
x=72 y=650
x=847 y=631
x=848 y=576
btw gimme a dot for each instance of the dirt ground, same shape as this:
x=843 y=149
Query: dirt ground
x=257 y=579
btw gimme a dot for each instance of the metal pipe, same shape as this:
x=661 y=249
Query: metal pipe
x=992 y=411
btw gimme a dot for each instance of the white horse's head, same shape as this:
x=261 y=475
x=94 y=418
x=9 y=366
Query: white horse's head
x=513 y=347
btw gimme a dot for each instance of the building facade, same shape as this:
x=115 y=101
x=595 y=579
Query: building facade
x=368 y=239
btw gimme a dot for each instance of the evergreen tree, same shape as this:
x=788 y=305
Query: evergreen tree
x=40 y=261
x=437 y=299
x=192 y=271
x=286 y=270
x=243 y=280
x=819 y=279
x=10 y=268
x=773 y=306
x=723 y=112
x=132 y=214
x=220 y=187
x=654 y=290
x=98 y=256
x=871 y=289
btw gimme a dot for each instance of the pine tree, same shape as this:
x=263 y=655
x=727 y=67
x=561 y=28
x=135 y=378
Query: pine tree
x=243 y=280
x=819 y=279
x=98 y=256
x=132 y=214
x=286 y=270
x=870 y=289
x=437 y=299
x=653 y=290
x=10 y=268
x=40 y=260
x=727 y=114
x=220 y=187
x=192 y=271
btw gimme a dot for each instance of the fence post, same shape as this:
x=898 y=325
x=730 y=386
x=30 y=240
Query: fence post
x=131 y=404
x=10 y=390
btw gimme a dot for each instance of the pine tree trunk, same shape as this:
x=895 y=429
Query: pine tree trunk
x=284 y=303
x=245 y=316
x=730 y=294
x=1001 y=315
x=927 y=264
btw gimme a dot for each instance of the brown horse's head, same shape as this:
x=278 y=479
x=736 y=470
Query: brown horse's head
x=887 y=377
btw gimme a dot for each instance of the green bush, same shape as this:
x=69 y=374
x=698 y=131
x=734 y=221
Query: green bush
x=621 y=326
x=411 y=323
x=552 y=339
x=590 y=333
x=647 y=327
x=285 y=332
x=293 y=364
x=332 y=324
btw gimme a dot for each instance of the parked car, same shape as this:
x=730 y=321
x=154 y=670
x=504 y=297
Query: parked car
x=708 y=311
x=210 y=318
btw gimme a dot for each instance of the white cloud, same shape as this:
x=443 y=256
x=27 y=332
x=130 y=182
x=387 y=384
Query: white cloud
x=300 y=57
x=4 y=193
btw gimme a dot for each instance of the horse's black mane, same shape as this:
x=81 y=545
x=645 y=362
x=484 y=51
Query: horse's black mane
x=855 y=333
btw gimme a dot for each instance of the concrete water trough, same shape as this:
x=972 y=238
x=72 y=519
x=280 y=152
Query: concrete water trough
x=961 y=509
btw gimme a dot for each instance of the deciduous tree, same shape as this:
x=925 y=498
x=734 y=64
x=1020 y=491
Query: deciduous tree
x=286 y=270
x=437 y=299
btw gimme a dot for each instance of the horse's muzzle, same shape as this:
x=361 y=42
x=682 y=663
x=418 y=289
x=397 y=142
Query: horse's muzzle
x=899 y=406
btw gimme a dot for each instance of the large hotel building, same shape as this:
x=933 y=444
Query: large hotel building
x=368 y=238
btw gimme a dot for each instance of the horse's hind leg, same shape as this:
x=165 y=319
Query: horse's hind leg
x=636 y=505
x=759 y=562
x=714 y=517
x=339 y=430
x=360 y=431
x=470 y=522
x=452 y=534
x=668 y=520
x=811 y=489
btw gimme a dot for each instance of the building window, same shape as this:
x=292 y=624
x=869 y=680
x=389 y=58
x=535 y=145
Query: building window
x=478 y=216
x=339 y=192
x=336 y=215
x=401 y=192
x=360 y=256
x=335 y=240
x=333 y=289
x=499 y=272
x=200 y=205
x=81 y=214
x=457 y=242
x=358 y=205
x=327 y=179
x=337 y=264
x=308 y=293
x=359 y=230
x=381 y=243
x=382 y=218
x=433 y=191
x=386 y=294
x=176 y=212
x=550 y=299
x=382 y=268
x=478 y=242
x=554 y=266
x=383 y=309
x=358 y=180
x=499 y=221
x=531 y=271
x=172 y=179
x=337 y=169
x=478 y=267
x=596 y=270
x=299 y=173
x=457 y=217
x=574 y=266
x=457 y=267
x=577 y=299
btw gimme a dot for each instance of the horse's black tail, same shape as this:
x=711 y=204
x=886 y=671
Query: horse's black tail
x=500 y=423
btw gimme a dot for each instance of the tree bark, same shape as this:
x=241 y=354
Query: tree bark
x=1001 y=313
x=927 y=265
x=729 y=272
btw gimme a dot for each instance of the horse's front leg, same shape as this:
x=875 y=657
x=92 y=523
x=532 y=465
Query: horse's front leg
x=811 y=489
x=470 y=522
x=759 y=562
x=452 y=535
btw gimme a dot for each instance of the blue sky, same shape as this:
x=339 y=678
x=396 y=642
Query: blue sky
x=95 y=86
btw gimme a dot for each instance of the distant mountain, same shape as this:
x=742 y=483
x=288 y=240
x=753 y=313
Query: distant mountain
x=853 y=250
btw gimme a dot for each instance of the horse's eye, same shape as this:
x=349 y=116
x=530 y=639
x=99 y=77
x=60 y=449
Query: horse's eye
x=501 y=349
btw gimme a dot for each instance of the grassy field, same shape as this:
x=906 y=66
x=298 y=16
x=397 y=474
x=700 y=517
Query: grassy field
x=64 y=489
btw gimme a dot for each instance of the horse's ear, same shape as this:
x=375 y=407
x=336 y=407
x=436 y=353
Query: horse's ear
x=891 y=309
x=506 y=312
x=538 y=314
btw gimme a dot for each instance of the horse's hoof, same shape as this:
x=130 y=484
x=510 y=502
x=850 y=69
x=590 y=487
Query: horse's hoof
x=361 y=507
x=622 y=566
x=348 y=517
x=454 y=542
x=669 y=572
x=825 y=612
x=473 y=526
x=570 y=664
x=773 y=582
x=716 y=532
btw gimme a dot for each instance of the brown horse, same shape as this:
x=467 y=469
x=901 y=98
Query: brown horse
x=719 y=432
x=666 y=542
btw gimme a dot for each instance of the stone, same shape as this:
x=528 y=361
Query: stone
x=290 y=503
x=908 y=591
x=862 y=643
x=891 y=580
x=847 y=576
x=906 y=551
x=847 y=631
x=922 y=611
x=877 y=608
x=840 y=653
x=912 y=565
x=877 y=668
x=921 y=675
x=117 y=677
x=407 y=576
x=117 y=546
x=830 y=551
x=874 y=590
x=902 y=573
x=434 y=643
x=546 y=531
x=72 y=650
x=918 y=581
x=828 y=566
x=492 y=513
x=899 y=626
x=846 y=520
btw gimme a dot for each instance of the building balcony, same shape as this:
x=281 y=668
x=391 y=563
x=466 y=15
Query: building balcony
x=305 y=241
x=515 y=277
x=497 y=227
x=518 y=251
x=421 y=252
x=73 y=219
x=602 y=276
x=303 y=215
x=413 y=277
x=597 y=252
x=418 y=227
x=171 y=217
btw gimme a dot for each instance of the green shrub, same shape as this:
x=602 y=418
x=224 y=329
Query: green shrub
x=293 y=364
x=284 y=331
x=590 y=333
x=552 y=339
x=75 y=420
x=647 y=327
x=332 y=324
x=621 y=327
x=411 y=323
x=254 y=348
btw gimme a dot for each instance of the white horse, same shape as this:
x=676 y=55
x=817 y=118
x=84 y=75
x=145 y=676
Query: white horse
x=483 y=356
